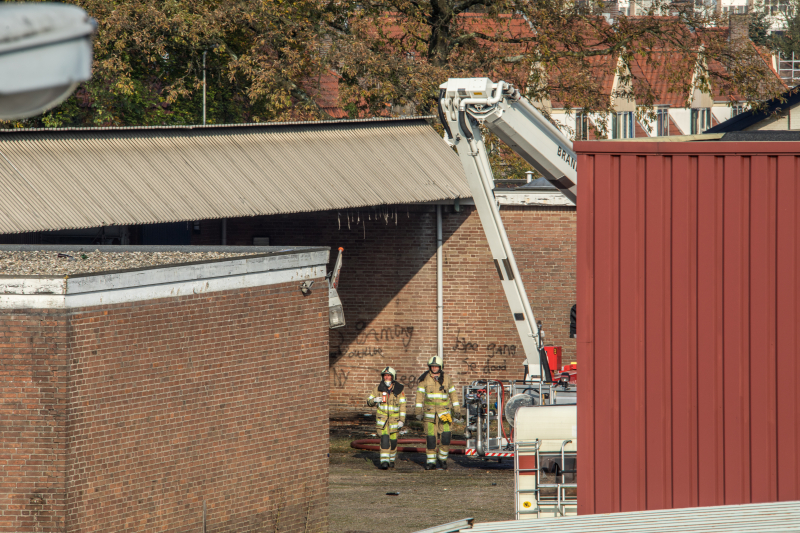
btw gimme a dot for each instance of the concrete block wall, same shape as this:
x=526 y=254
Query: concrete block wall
x=127 y=417
x=388 y=288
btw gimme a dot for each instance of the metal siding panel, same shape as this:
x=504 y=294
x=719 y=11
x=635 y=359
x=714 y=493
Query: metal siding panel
x=711 y=289
x=656 y=318
x=762 y=461
x=735 y=327
x=94 y=177
x=709 y=364
x=585 y=295
x=605 y=452
x=787 y=300
x=682 y=259
x=631 y=458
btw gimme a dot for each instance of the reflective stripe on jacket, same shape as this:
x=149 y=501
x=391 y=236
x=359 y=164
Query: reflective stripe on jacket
x=393 y=410
x=437 y=396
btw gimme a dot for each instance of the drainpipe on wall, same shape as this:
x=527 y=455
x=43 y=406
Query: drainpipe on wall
x=439 y=282
x=224 y=231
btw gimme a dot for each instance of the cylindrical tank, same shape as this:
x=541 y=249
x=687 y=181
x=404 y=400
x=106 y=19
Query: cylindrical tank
x=551 y=424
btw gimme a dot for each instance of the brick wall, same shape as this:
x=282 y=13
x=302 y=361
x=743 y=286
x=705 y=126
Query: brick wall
x=388 y=288
x=219 y=397
x=33 y=421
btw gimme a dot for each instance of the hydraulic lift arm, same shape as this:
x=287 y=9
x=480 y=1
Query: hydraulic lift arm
x=464 y=104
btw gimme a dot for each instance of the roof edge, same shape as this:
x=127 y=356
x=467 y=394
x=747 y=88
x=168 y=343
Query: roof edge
x=223 y=126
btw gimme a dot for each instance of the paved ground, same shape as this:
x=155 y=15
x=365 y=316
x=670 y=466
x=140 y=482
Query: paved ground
x=359 y=504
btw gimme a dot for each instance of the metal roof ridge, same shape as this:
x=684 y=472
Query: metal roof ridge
x=221 y=126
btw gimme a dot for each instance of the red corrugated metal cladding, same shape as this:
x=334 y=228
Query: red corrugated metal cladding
x=688 y=336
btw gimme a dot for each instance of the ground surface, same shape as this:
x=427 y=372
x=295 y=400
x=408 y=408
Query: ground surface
x=358 y=501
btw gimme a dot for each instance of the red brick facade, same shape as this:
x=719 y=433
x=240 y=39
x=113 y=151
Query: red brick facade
x=33 y=420
x=128 y=417
x=388 y=288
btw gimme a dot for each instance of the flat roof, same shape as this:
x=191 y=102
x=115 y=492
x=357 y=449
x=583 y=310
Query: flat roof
x=30 y=260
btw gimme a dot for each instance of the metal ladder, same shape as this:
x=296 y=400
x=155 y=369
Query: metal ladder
x=560 y=502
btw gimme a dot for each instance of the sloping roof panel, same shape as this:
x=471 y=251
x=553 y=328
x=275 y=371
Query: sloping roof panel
x=78 y=178
x=761 y=517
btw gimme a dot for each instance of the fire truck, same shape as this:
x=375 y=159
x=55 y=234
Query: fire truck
x=540 y=411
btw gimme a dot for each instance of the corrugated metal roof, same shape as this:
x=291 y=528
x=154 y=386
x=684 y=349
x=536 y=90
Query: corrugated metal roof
x=760 y=517
x=79 y=178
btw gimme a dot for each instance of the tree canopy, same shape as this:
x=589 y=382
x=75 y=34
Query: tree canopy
x=267 y=60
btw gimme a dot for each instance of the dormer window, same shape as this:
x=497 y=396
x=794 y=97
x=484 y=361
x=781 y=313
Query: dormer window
x=701 y=120
x=622 y=125
x=662 y=122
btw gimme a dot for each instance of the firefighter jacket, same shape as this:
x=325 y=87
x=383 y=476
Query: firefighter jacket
x=437 y=396
x=393 y=409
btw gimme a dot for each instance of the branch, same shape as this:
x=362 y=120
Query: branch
x=461 y=7
x=303 y=96
x=564 y=53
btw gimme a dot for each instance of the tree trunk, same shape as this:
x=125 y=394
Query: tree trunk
x=440 y=43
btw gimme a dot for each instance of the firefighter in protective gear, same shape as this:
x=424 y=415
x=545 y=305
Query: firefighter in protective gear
x=390 y=400
x=436 y=393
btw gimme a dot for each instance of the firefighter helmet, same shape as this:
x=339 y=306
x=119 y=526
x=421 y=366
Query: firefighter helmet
x=436 y=360
x=389 y=370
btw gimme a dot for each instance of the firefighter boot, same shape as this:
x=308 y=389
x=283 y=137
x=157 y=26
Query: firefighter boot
x=385 y=452
x=430 y=451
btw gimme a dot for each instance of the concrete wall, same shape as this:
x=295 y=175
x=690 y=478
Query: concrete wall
x=127 y=417
x=388 y=288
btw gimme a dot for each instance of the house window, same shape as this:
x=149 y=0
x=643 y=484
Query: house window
x=701 y=120
x=737 y=109
x=622 y=125
x=662 y=122
x=581 y=126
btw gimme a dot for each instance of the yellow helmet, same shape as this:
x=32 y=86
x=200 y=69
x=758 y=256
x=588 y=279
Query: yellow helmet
x=389 y=370
x=436 y=360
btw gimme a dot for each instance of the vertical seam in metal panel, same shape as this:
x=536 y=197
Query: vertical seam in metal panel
x=796 y=343
x=692 y=334
x=615 y=313
x=772 y=199
x=721 y=321
x=744 y=369
x=641 y=369
x=666 y=183
x=720 y=296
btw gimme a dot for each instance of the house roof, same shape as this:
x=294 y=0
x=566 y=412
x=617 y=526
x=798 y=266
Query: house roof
x=89 y=177
x=751 y=117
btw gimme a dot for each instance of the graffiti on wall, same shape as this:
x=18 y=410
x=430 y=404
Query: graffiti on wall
x=340 y=377
x=470 y=348
x=369 y=342
x=384 y=334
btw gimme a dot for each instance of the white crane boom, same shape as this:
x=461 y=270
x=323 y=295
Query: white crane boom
x=464 y=104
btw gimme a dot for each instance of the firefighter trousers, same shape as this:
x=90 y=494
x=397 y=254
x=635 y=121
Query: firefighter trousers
x=437 y=431
x=388 y=445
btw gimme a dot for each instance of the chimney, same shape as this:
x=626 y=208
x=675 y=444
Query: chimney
x=739 y=28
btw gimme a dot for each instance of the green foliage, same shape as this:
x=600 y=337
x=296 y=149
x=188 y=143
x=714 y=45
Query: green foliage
x=758 y=26
x=788 y=41
x=148 y=63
